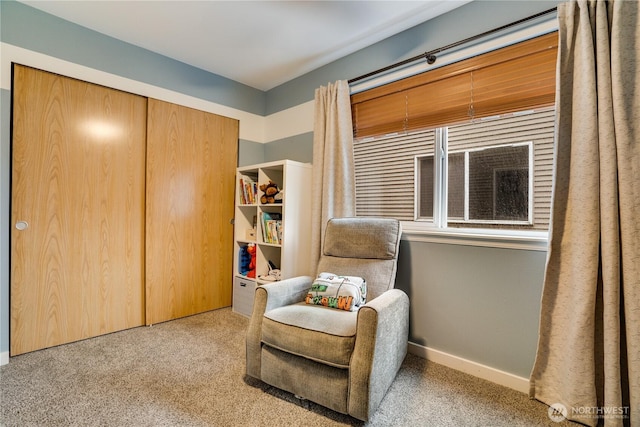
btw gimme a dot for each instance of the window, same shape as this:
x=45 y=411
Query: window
x=484 y=185
x=468 y=145
x=498 y=173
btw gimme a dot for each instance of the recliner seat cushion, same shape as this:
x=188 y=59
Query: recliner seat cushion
x=315 y=332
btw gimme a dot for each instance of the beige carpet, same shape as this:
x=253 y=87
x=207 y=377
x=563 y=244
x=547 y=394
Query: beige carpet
x=190 y=372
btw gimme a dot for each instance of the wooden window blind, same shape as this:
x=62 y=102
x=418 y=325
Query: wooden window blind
x=517 y=77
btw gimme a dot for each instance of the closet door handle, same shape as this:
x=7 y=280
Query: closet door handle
x=22 y=225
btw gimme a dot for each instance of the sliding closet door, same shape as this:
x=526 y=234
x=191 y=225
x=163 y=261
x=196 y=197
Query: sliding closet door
x=191 y=161
x=77 y=210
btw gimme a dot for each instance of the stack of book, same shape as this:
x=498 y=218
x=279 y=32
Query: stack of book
x=248 y=191
x=271 y=227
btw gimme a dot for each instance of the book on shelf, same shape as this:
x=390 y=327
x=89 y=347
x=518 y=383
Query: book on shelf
x=248 y=190
x=271 y=227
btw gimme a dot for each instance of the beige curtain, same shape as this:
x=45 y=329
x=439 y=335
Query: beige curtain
x=588 y=361
x=333 y=185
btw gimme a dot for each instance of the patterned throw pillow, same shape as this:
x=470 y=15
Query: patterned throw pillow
x=341 y=292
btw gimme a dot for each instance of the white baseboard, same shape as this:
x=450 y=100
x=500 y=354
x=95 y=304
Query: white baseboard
x=467 y=366
x=4 y=358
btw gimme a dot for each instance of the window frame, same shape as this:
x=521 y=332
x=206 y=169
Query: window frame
x=440 y=217
x=466 y=219
x=434 y=231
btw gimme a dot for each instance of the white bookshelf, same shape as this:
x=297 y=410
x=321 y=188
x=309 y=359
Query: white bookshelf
x=291 y=253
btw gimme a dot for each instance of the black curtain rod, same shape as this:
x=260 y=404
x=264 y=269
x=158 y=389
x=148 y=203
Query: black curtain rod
x=431 y=55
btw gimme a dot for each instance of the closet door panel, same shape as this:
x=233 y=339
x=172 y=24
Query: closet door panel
x=77 y=210
x=191 y=158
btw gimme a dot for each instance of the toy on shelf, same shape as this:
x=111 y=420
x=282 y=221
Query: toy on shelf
x=274 y=274
x=270 y=193
x=247 y=260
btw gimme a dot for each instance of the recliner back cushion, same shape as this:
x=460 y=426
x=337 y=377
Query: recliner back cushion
x=364 y=247
x=374 y=238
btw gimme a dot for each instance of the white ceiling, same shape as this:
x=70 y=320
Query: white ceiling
x=259 y=43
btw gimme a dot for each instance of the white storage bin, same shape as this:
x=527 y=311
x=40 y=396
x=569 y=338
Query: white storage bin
x=243 y=290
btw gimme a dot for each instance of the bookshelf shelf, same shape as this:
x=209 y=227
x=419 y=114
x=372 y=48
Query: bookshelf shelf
x=280 y=232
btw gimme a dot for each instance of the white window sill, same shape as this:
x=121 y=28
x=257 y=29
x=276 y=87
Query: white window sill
x=525 y=240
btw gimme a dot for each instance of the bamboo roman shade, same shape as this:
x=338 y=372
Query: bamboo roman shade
x=514 y=78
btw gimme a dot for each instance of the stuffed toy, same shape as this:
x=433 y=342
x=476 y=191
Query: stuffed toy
x=251 y=249
x=244 y=259
x=247 y=260
x=270 y=193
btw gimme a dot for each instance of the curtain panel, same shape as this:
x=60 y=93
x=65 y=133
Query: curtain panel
x=587 y=366
x=333 y=182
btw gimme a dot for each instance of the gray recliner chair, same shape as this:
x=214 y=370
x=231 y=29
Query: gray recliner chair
x=343 y=360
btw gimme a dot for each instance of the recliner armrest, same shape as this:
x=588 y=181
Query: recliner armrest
x=381 y=346
x=268 y=297
x=286 y=292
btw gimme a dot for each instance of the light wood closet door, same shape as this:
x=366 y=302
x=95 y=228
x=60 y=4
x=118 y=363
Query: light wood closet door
x=77 y=210
x=191 y=161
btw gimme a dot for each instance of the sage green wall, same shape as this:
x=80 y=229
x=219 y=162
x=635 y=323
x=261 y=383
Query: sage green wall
x=478 y=303
x=250 y=153
x=298 y=148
